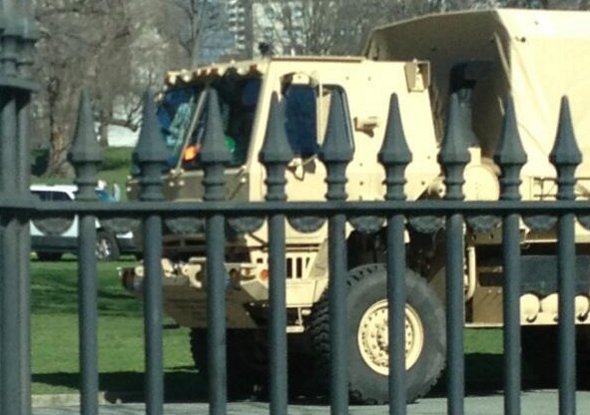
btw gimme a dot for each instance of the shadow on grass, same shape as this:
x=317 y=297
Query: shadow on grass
x=483 y=378
x=483 y=375
x=181 y=384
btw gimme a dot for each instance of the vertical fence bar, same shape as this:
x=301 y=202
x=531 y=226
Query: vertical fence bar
x=12 y=317
x=336 y=153
x=453 y=158
x=566 y=156
x=214 y=155
x=510 y=156
x=24 y=245
x=88 y=314
x=85 y=155
x=24 y=64
x=395 y=156
x=275 y=154
x=17 y=39
x=151 y=156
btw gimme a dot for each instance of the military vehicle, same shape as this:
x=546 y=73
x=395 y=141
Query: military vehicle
x=482 y=56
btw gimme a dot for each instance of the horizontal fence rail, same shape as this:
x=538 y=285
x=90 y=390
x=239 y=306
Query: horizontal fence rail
x=33 y=208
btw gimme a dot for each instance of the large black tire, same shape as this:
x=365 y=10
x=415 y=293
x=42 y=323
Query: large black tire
x=247 y=362
x=106 y=247
x=425 y=318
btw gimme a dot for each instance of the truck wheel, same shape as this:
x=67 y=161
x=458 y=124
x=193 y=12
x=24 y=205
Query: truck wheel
x=368 y=335
x=106 y=247
x=247 y=362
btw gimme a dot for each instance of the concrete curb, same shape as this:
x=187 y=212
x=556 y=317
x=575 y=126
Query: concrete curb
x=73 y=399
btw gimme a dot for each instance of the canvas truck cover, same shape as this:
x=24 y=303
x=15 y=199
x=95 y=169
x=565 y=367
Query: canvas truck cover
x=537 y=56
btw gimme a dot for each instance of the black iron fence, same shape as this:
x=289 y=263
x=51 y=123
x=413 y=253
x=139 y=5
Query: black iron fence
x=17 y=207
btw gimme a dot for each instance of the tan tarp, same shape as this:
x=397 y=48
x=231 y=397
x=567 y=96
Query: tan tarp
x=538 y=56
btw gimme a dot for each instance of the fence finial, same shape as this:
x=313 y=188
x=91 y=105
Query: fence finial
x=214 y=149
x=214 y=152
x=510 y=154
x=337 y=150
x=454 y=155
x=565 y=155
x=565 y=150
x=394 y=154
x=150 y=145
x=85 y=154
x=276 y=152
x=337 y=145
x=276 y=147
x=150 y=152
x=85 y=147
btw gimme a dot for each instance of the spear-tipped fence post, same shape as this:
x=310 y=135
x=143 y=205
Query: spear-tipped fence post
x=214 y=156
x=510 y=156
x=453 y=157
x=395 y=156
x=336 y=153
x=151 y=155
x=566 y=157
x=275 y=154
x=15 y=304
x=86 y=156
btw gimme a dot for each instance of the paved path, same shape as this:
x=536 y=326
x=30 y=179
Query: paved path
x=533 y=403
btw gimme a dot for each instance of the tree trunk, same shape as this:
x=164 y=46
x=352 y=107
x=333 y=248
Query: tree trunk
x=58 y=165
x=103 y=134
x=103 y=128
x=61 y=119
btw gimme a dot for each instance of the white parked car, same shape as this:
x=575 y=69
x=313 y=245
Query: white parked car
x=50 y=246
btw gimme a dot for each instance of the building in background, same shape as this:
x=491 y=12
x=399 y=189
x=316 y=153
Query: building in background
x=279 y=24
x=276 y=27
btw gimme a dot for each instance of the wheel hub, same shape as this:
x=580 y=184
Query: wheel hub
x=373 y=337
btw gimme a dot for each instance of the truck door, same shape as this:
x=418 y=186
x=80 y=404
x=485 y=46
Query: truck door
x=306 y=173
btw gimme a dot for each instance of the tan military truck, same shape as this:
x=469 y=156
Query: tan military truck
x=483 y=56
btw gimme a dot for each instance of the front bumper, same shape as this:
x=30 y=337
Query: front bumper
x=185 y=293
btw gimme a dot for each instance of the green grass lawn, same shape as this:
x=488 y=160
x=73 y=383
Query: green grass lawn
x=121 y=357
x=54 y=321
x=121 y=346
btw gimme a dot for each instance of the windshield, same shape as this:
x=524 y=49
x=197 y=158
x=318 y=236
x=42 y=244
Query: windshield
x=182 y=114
x=174 y=113
x=238 y=98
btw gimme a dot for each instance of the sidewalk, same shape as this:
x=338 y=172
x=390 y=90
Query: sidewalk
x=533 y=403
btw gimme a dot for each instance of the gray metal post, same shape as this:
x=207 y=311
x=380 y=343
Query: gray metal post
x=453 y=158
x=214 y=155
x=86 y=156
x=395 y=157
x=566 y=156
x=15 y=91
x=151 y=156
x=337 y=152
x=510 y=156
x=275 y=154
